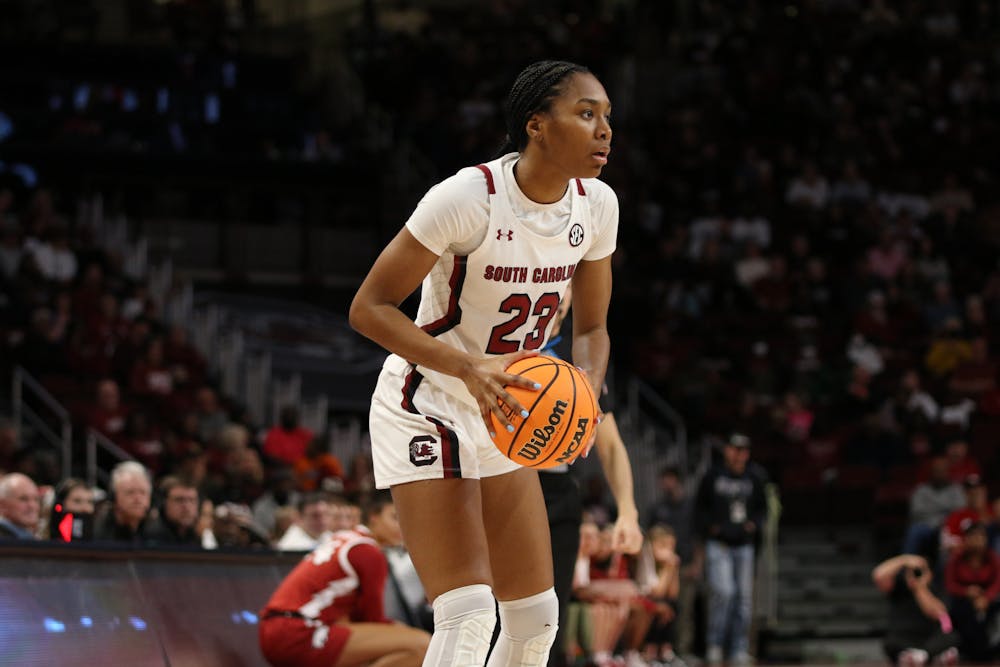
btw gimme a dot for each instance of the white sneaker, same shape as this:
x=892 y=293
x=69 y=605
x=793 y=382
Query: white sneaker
x=632 y=659
x=713 y=656
x=913 y=657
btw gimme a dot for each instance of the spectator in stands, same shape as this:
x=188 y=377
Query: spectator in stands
x=961 y=464
x=20 y=507
x=187 y=363
x=329 y=610
x=10 y=249
x=663 y=590
x=319 y=469
x=602 y=584
x=972 y=579
x=124 y=520
x=281 y=492
x=130 y=349
x=976 y=508
x=150 y=379
x=405 y=599
x=316 y=521
x=730 y=508
x=176 y=522
x=212 y=417
x=919 y=629
x=287 y=441
x=71 y=496
x=141 y=439
x=233 y=528
x=930 y=505
x=674 y=510
x=107 y=415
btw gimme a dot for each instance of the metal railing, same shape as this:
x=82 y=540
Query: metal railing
x=639 y=391
x=97 y=440
x=61 y=435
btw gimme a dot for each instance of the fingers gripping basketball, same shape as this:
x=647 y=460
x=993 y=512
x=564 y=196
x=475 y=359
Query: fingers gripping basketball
x=562 y=414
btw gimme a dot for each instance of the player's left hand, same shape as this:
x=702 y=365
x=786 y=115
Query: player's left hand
x=626 y=537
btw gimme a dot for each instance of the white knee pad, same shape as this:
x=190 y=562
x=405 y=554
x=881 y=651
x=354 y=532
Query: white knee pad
x=464 y=619
x=527 y=629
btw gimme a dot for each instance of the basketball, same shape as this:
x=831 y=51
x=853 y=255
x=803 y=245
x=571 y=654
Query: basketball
x=562 y=414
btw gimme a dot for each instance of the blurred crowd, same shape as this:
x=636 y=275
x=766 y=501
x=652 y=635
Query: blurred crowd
x=808 y=248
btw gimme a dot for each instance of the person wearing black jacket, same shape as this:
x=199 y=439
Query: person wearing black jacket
x=177 y=521
x=730 y=508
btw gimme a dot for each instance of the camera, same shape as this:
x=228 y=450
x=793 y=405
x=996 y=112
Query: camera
x=918 y=572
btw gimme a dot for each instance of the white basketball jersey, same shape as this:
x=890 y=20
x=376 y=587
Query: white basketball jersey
x=503 y=296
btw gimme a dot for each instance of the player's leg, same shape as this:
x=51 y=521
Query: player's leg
x=442 y=526
x=517 y=531
x=382 y=645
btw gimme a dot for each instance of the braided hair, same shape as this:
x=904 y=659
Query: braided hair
x=533 y=91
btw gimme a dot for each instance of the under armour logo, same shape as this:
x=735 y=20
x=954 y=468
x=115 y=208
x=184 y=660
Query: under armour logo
x=510 y=234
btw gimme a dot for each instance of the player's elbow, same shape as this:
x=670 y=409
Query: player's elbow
x=359 y=315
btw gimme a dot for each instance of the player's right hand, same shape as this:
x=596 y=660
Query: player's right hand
x=486 y=379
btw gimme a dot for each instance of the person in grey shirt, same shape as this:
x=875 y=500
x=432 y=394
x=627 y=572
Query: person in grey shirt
x=931 y=503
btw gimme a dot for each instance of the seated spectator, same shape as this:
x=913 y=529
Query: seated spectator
x=961 y=465
x=976 y=508
x=150 y=378
x=176 y=523
x=107 y=415
x=124 y=520
x=663 y=590
x=405 y=599
x=233 y=528
x=130 y=349
x=142 y=440
x=184 y=359
x=20 y=507
x=287 y=441
x=328 y=611
x=319 y=469
x=919 y=629
x=930 y=505
x=284 y=517
x=972 y=579
x=212 y=417
x=281 y=492
x=71 y=496
x=316 y=521
x=602 y=580
x=976 y=376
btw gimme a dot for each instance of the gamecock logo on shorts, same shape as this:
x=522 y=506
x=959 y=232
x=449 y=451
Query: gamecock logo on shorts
x=422 y=450
x=576 y=234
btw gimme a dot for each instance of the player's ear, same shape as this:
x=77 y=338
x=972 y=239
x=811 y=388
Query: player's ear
x=534 y=127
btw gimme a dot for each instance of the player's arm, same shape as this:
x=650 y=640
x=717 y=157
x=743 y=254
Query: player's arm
x=375 y=313
x=373 y=571
x=591 y=299
x=611 y=450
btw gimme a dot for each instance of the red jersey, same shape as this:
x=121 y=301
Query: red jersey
x=342 y=578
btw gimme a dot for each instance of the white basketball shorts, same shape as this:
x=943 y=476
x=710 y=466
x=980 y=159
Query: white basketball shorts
x=419 y=431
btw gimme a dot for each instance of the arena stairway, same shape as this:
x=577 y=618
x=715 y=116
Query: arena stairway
x=828 y=610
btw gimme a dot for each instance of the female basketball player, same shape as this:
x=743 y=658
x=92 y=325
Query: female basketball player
x=495 y=247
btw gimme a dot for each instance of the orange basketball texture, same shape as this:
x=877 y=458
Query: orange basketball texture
x=563 y=414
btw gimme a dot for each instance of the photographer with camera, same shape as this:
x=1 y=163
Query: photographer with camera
x=919 y=629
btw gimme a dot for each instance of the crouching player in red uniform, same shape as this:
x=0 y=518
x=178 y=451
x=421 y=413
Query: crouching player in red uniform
x=328 y=610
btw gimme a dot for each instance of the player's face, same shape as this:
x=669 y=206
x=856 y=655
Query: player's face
x=575 y=134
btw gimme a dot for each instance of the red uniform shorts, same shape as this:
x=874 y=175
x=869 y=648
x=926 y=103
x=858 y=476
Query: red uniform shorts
x=294 y=642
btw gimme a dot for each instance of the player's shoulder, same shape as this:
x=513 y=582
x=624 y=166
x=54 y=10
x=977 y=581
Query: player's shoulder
x=599 y=191
x=466 y=186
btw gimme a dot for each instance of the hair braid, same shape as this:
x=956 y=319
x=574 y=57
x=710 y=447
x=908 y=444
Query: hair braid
x=533 y=91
